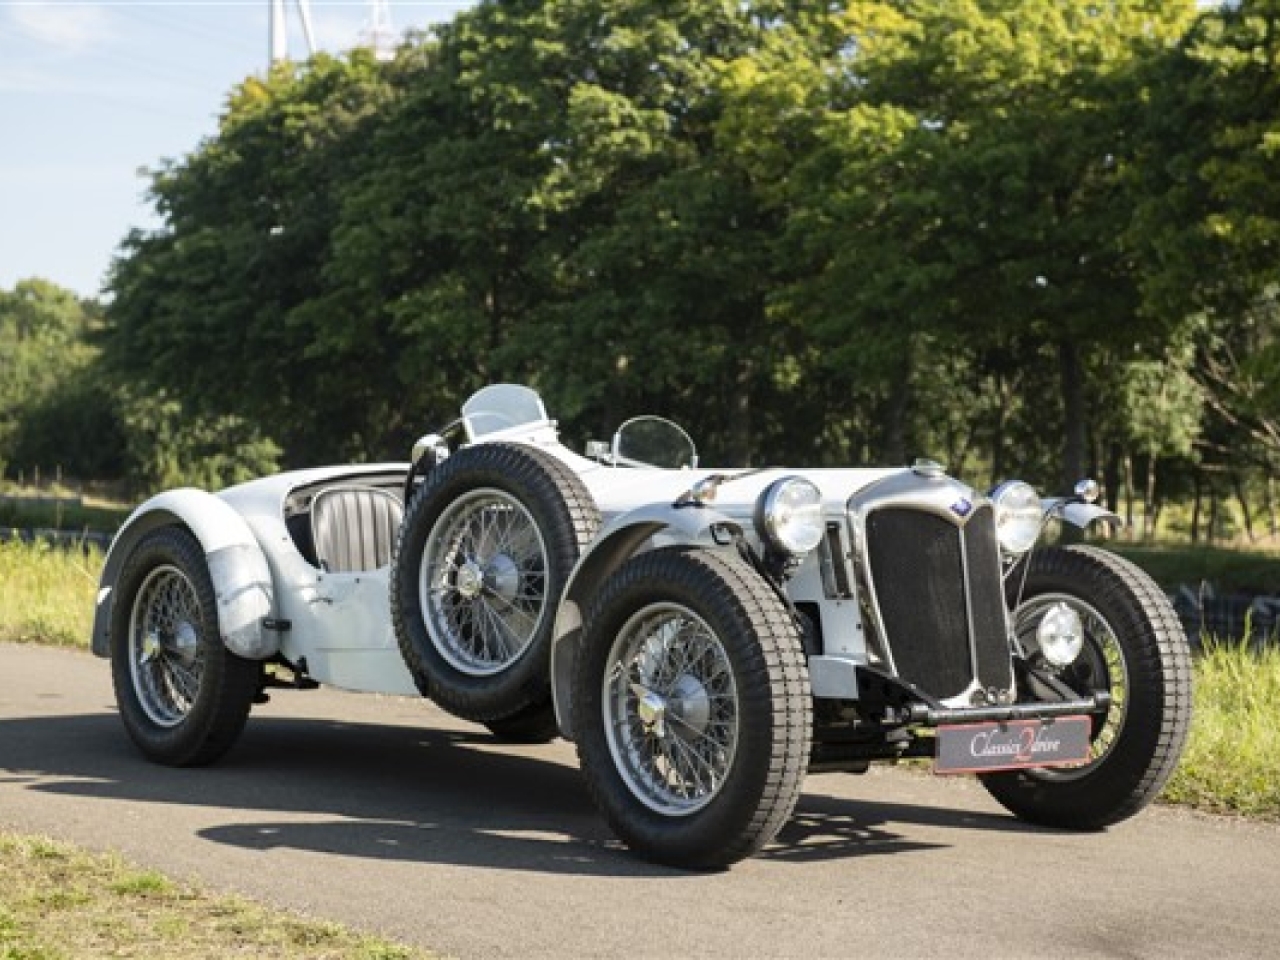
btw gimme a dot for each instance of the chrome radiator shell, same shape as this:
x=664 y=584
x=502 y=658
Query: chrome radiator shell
x=928 y=566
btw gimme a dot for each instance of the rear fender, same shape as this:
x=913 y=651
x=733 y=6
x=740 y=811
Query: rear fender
x=237 y=567
x=623 y=538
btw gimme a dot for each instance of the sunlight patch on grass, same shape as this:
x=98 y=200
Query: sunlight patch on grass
x=1232 y=761
x=60 y=902
x=49 y=593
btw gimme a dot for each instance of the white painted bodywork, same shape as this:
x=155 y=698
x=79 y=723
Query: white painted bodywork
x=338 y=624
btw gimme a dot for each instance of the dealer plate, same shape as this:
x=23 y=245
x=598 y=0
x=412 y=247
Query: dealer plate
x=1013 y=745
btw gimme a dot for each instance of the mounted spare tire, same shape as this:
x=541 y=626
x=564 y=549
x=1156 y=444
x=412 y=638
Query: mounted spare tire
x=485 y=549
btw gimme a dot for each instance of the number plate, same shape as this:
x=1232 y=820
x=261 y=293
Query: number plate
x=1013 y=745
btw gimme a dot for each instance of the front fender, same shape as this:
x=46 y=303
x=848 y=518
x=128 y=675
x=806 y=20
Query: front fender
x=1080 y=514
x=237 y=567
x=620 y=540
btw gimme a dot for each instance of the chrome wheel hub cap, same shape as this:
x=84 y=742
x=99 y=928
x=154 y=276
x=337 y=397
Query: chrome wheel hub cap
x=166 y=663
x=691 y=707
x=670 y=709
x=483 y=582
x=470 y=580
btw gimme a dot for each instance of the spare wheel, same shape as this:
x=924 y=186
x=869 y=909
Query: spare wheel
x=486 y=547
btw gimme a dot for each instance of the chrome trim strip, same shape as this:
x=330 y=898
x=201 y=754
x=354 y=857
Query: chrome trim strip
x=939 y=495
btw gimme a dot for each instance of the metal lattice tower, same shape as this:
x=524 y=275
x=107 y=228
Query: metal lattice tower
x=277 y=33
x=378 y=33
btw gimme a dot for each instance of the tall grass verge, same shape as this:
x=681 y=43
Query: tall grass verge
x=47 y=593
x=1232 y=761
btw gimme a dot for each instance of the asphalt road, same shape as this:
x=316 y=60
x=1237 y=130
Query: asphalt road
x=386 y=814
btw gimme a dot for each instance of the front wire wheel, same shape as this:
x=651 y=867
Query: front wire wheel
x=692 y=707
x=183 y=697
x=1134 y=649
x=1100 y=666
x=671 y=709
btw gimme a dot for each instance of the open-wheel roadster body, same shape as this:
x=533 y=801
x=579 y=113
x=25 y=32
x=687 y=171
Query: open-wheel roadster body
x=704 y=636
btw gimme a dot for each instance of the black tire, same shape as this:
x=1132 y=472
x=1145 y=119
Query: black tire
x=484 y=553
x=696 y=753
x=183 y=696
x=1136 y=649
x=535 y=723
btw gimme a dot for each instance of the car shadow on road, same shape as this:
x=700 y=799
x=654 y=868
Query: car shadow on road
x=385 y=791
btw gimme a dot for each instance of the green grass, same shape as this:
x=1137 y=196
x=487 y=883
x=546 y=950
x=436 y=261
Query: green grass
x=1232 y=762
x=48 y=593
x=21 y=512
x=58 y=902
x=1230 y=571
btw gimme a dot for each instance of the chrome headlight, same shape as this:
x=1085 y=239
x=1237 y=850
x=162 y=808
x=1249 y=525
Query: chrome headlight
x=789 y=516
x=1060 y=635
x=1019 y=516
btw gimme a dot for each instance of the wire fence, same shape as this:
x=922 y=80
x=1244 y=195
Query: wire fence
x=1228 y=618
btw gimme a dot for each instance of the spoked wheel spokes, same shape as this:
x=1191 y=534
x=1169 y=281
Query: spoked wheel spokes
x=165 y=653
x=485 y=551
x=183 y=696
x=671 y=709
x=1089 y=621
x=691 y=707
x=483 y=584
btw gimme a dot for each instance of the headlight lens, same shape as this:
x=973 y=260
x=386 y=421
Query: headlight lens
x=1060 y=635
x=789 y=516
x=1019 y=516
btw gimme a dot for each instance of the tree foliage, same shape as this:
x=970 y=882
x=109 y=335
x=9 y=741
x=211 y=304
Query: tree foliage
x=1035 y=236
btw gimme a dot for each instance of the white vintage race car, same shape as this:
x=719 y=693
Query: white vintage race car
x=704 y=636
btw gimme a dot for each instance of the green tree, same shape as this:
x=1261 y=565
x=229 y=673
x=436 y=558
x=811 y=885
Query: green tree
x=51 y=411
x=222 y=306
x=966 y=176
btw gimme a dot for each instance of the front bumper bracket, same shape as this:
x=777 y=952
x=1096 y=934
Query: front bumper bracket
x=919 y=714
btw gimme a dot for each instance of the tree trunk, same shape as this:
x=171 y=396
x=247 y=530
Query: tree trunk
x=1149 y=501
x=1237 y=487
x=1073 y=412
x=1111 y=479
x=997 y=444
x=1128 y=490
x=1213 y=513
x=896 y=407
x=1270 y=495
x=740 y=414
x=1195 y=507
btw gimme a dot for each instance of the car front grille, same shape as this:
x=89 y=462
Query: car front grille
x=938 y=590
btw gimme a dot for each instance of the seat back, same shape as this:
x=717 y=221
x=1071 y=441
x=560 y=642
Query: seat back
x=355 y=527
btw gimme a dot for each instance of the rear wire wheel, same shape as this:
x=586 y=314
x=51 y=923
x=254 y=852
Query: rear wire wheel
x=184 y=698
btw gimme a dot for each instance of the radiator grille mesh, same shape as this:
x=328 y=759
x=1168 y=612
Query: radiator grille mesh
x=917 y=566
x=919 y=582
x=986 y=599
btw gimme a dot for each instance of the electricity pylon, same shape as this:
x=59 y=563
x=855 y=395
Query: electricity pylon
x=379 y=34
x=278 y=36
